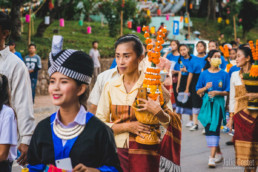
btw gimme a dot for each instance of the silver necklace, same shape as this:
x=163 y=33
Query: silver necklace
x=67 y=133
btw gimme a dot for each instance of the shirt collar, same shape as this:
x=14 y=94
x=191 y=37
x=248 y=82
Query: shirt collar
x=119 y=83
x=5 y=52
x=79 y=119
x=114 y=72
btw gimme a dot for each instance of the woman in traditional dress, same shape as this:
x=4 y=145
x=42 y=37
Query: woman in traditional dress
x=214 y=84
x=72 y=136
x=115 y=109
x=245 y=121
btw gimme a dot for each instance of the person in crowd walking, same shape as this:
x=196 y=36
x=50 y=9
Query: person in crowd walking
x=12 y=47
x=72 y=132
x=182 y=66
x=196 y=67
x=33 y=63
x=245 y=121
x=213 y=83
x=8 y=128
x=19 y=84
x=95 y=55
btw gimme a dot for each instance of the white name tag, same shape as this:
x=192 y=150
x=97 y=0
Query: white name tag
x=65 y=164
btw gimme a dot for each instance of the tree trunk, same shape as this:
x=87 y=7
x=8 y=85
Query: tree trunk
x=15 y=18
x=211 y=10
x=202 y=12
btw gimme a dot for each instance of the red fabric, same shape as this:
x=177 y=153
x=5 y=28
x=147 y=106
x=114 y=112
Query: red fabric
x=246 y=127
x=169 y=148
x=170 y=89
x=123 y=156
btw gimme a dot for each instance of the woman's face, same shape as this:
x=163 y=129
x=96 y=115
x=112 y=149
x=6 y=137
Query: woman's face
x=64 y=90
x=183 y=51
x=126 y=58
x=174 y=46
x=241 y=60
x=212 y=46
x=232 y=54
x=216 y=55
x=200 y=48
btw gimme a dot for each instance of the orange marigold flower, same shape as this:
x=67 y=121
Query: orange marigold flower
x=254 y=71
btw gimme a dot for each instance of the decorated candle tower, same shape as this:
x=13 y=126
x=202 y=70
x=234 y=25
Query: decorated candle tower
x=151 y=87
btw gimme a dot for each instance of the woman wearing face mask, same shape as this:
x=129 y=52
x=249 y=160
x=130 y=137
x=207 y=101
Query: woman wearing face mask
x=197 y=64
x=214 y=84
x=182 y=66
x=213 y=45
x=245 y=121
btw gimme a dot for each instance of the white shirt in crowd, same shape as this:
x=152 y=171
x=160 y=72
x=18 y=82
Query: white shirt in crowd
x=21 y=96
x=95 y=57
x=102 y=79
x=8 y=131
x=234 y=80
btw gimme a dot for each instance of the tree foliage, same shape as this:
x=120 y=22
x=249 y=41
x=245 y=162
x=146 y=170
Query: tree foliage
x=112 y=10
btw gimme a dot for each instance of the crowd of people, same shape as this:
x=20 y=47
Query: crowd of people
x=101 y=136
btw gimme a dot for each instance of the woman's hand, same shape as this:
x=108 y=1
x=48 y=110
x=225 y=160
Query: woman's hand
x=137 y=128
x=212 y=94
x=83 y=168
x=186 y=90
x=252 y=96
x=230 y=123
x=150 y=105
x=208 y=85
x=183 y=69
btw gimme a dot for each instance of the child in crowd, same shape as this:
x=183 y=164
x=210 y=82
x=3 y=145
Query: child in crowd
x=182 y=66
x=72 y=132
x=214 y=84
x=8 y=128
x=196 y=67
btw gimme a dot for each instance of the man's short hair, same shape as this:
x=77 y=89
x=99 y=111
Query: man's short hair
x=32 y=45
x=94 y=42
x=5 y=22
x=11 y=42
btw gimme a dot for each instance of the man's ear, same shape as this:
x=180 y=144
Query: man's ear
x=6 y=33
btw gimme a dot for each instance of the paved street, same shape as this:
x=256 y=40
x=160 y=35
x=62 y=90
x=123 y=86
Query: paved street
x=194 y=155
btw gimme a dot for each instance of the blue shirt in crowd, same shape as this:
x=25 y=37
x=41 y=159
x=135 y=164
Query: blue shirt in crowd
x=113 y=65
x=19 y=55
x=197 y=64
x=233 y=69
x=183 y=63
x=223 y=63
x=220 y=80
x=33 y=63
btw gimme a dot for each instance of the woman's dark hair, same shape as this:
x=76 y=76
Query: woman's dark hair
x=247 y=52
x=84 y=97
x=177 y=42
x=210 y=54
x=4 y=92
x=216 y=43
x=5 y=21
x=183 y=45
x=203 y=43
x=137 y=47
x=234 y=49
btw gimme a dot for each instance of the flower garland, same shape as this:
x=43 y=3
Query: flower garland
x=152 y=76
x=225 y=52
x=254 y=69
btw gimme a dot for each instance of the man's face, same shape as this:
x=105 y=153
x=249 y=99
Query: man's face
x=32 y=49
x=12 y=47
x=3 y=33
x=96 y=45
